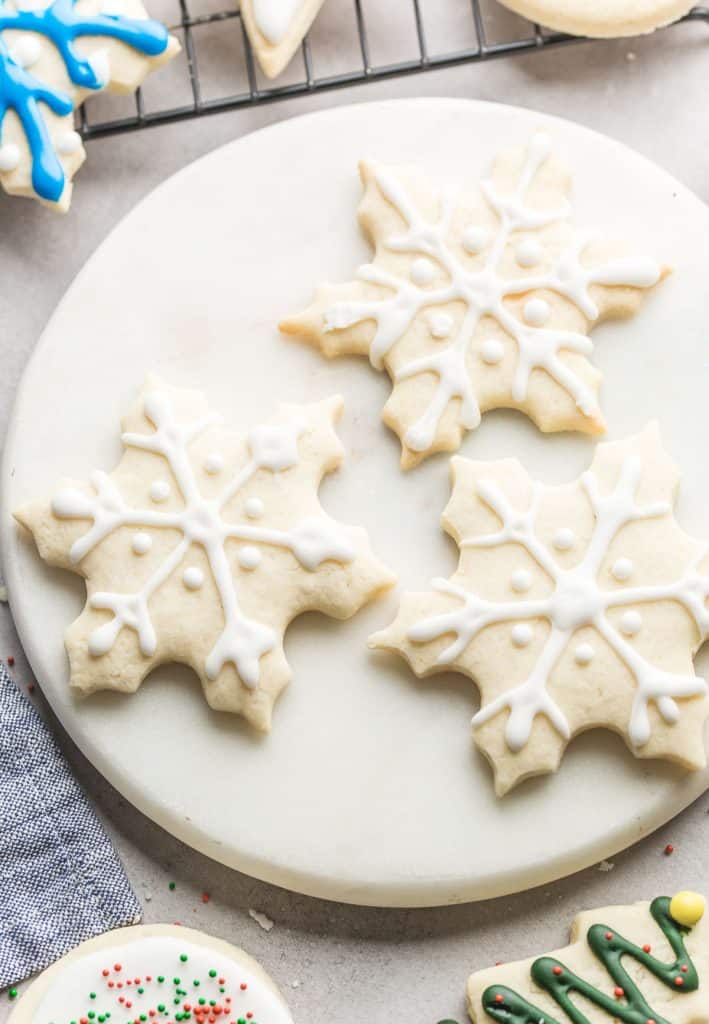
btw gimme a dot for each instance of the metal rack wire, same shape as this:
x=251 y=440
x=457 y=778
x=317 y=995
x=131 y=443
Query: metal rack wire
x=484 y=48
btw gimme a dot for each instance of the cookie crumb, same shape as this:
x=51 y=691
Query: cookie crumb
x=261 y=919
x=3 y=593
x=605 y=865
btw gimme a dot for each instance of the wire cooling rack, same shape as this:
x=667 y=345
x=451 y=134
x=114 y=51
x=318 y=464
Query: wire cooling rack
x=364 y=68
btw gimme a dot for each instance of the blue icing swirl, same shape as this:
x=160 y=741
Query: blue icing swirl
x=22 y=92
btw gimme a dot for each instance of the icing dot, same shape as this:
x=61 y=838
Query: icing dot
x=583 y=654
x=68 y=143
x=253 y=508
x=26 y=51
x=492 y=351
x=474 y=240
x=9 y=157
x=422 y=271
x=536 y=312
x=249 y=557
x=521 y=634
x=631 y=622
x=159 y=491
x=564 y=539
x=213 y=463
x=529 y=253
x=622 y=568
x=440 y=325
x=101 y=67
x=521 y=581
x=193 y=578
x=687 y=909
x=141 y=543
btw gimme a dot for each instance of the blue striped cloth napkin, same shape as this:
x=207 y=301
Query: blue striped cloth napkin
x=60 y=878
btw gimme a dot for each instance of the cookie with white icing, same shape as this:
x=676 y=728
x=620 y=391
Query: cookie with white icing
x=601 y=18
x=276 y=28
x=647 y=963
x=572 y=607
x=158 y=972
x=478 y=298
x=53 y=55
x=202 y=546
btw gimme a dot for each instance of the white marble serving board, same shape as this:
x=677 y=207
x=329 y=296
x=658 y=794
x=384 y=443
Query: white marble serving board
x=369 y=788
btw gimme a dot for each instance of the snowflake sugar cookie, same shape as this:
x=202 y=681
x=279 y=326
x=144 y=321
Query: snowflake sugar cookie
x=201 y=546
x=52 y=56
x=276 y=28
x=478 y=300
x=572 y=607
x=647 y=963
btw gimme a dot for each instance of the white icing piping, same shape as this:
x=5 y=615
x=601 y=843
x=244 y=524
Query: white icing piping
x=243 y=641
x=274 y=17
x=576 y=601
x=483 y=292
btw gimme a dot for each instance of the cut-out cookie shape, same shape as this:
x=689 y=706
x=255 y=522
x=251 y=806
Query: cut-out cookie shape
x=631 y=965
x=477 y=300
x=602 y=18
x=202 y=546
x=52 y=57
x=156 y=972
x=276 y=28
x=572 y=607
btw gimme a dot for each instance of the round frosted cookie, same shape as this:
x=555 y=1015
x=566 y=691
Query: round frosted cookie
x=160 y=973
x=601 y=18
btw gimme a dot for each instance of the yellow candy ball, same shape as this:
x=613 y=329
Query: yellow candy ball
x=687 y=908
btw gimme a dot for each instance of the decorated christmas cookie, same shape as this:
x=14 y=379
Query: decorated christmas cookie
x=52 y=56
x=201 y=546
x=572 y=607
x=159 y=972
x=643 y=964
x=606 y=18
x=276 y=29
x=478 y=299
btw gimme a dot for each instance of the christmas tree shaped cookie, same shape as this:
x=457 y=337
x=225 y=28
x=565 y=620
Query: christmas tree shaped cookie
x=572 y=607
x=276 y=28
x=53 y=55
x=643 y=964
x=156 y=972
x=478 y=299
x=201 y=546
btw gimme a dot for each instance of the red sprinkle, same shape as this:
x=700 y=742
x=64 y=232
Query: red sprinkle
x=557 y=970
x=618 y=992
x=499 y=998
x=679 y=982
x=669 y=850
x=10 y=660
x=609 y=935
x=646 y=949
x=205 y=897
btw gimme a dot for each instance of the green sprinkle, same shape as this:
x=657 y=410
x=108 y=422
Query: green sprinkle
x=212 y=974
x=175 y=981
x=161 y=1007
x=12 y=993
x=196 y=983
x=172 y=886
x=161 y=978
x=202 y=1001
x=183 y=958
x=176 y=1002
x=92 y=995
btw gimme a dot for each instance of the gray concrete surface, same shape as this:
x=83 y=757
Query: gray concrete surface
x=337 y=964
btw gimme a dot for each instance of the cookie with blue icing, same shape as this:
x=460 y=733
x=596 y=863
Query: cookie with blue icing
x=52 y=57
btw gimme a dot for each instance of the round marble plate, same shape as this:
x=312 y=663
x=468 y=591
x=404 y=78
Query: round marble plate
x=369 y=788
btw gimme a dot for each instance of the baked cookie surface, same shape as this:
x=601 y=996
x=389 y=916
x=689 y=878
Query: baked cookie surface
x=647 y=963
x=52 y=57
x=478 y=299
x=202 y=546
x=601 y=18
x=573 y=607
x=156 y=972
x=276 y=28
